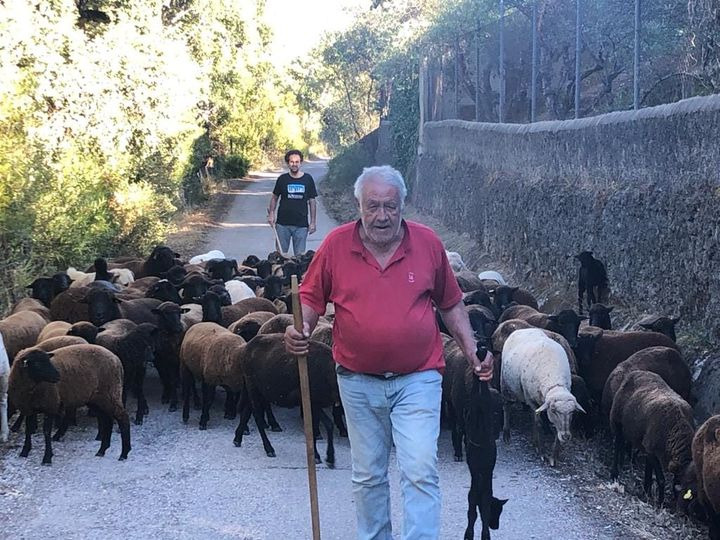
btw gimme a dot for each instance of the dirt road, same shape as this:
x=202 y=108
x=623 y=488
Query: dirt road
x=182 y=483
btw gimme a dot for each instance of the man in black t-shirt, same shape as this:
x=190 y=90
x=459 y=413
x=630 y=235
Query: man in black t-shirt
x=296 y=191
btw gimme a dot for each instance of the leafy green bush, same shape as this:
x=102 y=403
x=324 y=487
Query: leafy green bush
x=234 y=166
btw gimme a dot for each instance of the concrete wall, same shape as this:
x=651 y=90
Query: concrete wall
x=640 y=189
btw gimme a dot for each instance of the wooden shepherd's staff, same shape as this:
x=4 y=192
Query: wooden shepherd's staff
x=307 y=413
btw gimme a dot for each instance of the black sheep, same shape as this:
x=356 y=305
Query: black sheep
x=482 y=428
x=224 y=269
x=592 y=279
x=600 y=316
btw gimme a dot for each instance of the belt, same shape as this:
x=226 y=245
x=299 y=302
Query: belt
x=385 y=376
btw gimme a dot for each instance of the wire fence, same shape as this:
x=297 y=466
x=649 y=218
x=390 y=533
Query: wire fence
x=548 y=60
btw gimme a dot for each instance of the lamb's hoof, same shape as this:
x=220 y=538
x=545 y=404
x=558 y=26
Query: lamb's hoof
x=24 y=453
x=172 y=408
x=246 y=431
x=203 y=427
x=506 y=437
x=47 y=461
x=230 y=416
x=275 y=429
x=458 y=458
x=318 y=461
x=185 y=419
x=122 y=457
x=271 y=454
x=100 y=453
x=3 y=438
x=164 y=400
x=330 y=464
x=343 y=433
x=236 y=443
x=551 y=461
x=57 y=437
x=138 y=421
x=98 y=437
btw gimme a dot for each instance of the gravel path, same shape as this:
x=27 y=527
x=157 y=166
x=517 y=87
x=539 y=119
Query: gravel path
x=181 y=483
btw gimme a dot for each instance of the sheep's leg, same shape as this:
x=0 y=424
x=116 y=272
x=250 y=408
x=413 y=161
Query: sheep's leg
x=329 y=428
x=258 y=406
x=473 y=503
x=455 y=430
x=4 y=430
x=121 y=416
x=187 y=383
x=486 y=504
x=272 y=422
x=172 y=388
x=506 y=422
x=18 y=423
x=555 y=453
x=105 y=427
x=245 y=412
x=660 y=479
x=230 y=404
x=537 y=435
x=64 y=423
x=337 y=413
x=30 y=426
x=47 y=432
x=618 y=454
x=142 y=406
x=197 y=403
x=207 y=392
x=648 y=477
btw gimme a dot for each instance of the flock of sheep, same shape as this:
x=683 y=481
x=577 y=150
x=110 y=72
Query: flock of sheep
x=86 y=338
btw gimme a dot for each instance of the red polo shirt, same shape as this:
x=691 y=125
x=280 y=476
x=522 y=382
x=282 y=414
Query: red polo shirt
x=384 y=319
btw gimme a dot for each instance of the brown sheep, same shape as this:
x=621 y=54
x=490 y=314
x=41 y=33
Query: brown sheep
x=70 y=377
x=272 y=376
x=86 y=330
x=468 y=281
x=54 y=329
x=323 y=333
x=664 y=361
x=52 y=343
x=31 y=304
x=214 y=356
x=600 y=351
x=20 y=331
x=67 y=306
x=566 y=322
x=649 y=415
x=277 y=324
x=248 y=326
x=706 y=457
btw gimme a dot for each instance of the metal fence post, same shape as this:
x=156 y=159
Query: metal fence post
x=477 y=74
x=533 y=83
x=456 y=108
x=636 y=63
x=577 y=58
x=501 y=105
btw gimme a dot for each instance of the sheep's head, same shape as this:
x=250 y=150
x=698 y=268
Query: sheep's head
x=223 y=293
x=600 y=316
x=503 y=295
x=43 y=289
x=211 y=307
x=251 y=260
x=169 y=317
x=566 y=323
x=483 y=325
x=86 y=330
x=38 y=366
x=663 y=325
x=174 y=274
x=102 y=306
x=264 y=268
x=163 y=290
x=224 y=269
x=560 y=411
x=273 y=287
x=585 y=257
x=163 y=257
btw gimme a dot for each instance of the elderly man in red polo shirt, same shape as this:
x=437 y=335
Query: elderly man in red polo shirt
x=384 y=275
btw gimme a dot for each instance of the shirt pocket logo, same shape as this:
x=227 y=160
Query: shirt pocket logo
x=411 y=277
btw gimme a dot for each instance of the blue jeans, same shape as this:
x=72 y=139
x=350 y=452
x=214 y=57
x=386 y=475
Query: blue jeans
x=404 y=410
x=298 y=235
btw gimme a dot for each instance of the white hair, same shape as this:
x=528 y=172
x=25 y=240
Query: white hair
x=387 y=175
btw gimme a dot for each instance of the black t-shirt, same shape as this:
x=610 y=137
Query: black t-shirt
x=294 y=194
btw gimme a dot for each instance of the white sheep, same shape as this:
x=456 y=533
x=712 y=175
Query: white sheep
x=536 y=371
x=492 y=275
x=4 y=376
x=455 y=260
x=238 y=291
x=213 y=254
x=122 y=276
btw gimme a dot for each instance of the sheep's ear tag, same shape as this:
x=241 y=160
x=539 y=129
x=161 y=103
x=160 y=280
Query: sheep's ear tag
x=688 y=495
